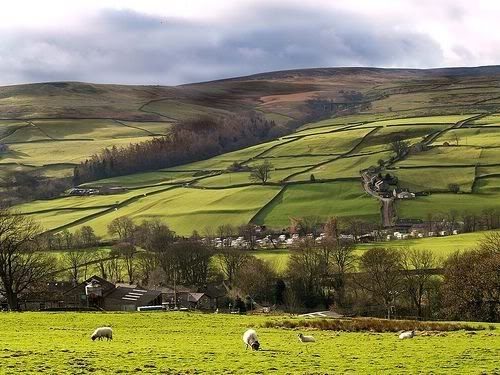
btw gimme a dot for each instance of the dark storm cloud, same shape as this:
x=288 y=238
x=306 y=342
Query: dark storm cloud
x=130 y=47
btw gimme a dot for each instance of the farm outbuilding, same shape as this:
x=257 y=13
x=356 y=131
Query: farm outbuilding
x=99 y=293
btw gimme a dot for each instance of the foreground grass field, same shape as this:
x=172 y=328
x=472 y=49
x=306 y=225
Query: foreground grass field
x=182 y=343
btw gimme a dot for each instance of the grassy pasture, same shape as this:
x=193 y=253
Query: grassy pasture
x=54 y=219
x=185 y=210
x=493 y=119
x=321 y=144
x=344 y=167
x=341 y=198
x=225 y=160
x=488 y=185
x=441 y=247
x=489 y=156
x=237 y=178
x=145 y=179
x=381 y=139
x=25 y=133
x=488 y=170
x=53 y=152
x=88 y=129
x=480 y=137
x=443 y=156
x=180 y=110
x=85 y=201
x=418 y=121
x=175 y=343
x=444 y=203
x=290 y=162
x=435 y=179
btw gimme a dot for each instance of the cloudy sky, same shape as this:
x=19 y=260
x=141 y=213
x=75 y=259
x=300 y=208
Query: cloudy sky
x=180 y=41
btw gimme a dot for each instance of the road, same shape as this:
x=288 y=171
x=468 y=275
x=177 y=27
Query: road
x=387 y=203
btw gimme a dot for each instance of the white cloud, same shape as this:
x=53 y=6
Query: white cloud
x=176 y=41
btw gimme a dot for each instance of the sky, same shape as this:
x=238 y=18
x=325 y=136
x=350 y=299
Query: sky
x=173 y=42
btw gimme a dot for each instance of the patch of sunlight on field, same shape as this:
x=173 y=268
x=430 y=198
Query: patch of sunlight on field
x=435 y=179
x=330 y=143
x=188 y=209
x=442 y=204
x=179 y=342
x=341 y=198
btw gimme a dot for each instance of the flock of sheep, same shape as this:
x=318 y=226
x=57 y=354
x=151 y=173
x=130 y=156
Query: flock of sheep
x=250 y=337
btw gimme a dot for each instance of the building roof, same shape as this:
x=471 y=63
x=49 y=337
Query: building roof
x=105 y=284
x=130 y=296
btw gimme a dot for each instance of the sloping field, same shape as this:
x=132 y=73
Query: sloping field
x=57 y=218
x=442 y=204
x=480 y=137
x=54 y=152
x=185 y=210
x=443 y=156
x=211 y=343
x=348 y=167
x=321 y=144
x=435 y=178
x=342 y=198
x=74 y=202
x=146 y=179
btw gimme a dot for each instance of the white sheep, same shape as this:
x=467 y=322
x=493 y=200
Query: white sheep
x=250 y=339
x=407 y=335
x=102 y=332
x=303 y=338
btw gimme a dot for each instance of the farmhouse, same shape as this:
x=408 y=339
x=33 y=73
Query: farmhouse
x=102 y=294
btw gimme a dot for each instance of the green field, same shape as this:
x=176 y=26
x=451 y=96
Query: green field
x=53 y=126
x=155 y=343
x=342 y=198
x=442 y=204
x=321 y=155
x=435 y=178
x=185 y=210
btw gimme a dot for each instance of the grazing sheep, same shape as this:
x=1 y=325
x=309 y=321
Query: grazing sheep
x=102 y=332
x=407 y=335
x=303 y=338
x=250 y=339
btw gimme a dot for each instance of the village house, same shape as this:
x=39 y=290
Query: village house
x=96 y=292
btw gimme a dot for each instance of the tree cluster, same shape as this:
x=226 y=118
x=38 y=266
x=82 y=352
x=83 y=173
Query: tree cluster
x=186 y=142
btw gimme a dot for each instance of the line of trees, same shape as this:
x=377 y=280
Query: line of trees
x=326 y=274
x=186 y=142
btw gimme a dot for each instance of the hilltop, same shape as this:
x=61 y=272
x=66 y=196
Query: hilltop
x=339 y=121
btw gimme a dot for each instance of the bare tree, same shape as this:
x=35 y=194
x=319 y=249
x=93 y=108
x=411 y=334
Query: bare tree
x=123 y=228
x=73 y=260
x=400 y=147
x=126 y=252
x=380 y=275
x=415 y=266
x=230 y=261
x=21 y=264
x=153 y=235
x=261 y=172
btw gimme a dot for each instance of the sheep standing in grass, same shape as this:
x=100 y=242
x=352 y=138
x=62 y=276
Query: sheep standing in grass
x=250 y=339
x=101 y=333
x=407 y=335
x=303 y=338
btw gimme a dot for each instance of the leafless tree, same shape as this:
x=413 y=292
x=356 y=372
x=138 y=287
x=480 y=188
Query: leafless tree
x=261 y=172
x=126 y=252
x=123 y=228
x=400 y=147
x=231 y=260
x=417 y=283
x=380 y=275
x=22 y=265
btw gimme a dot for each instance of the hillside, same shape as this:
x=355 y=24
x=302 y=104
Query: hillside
x=358 y=111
